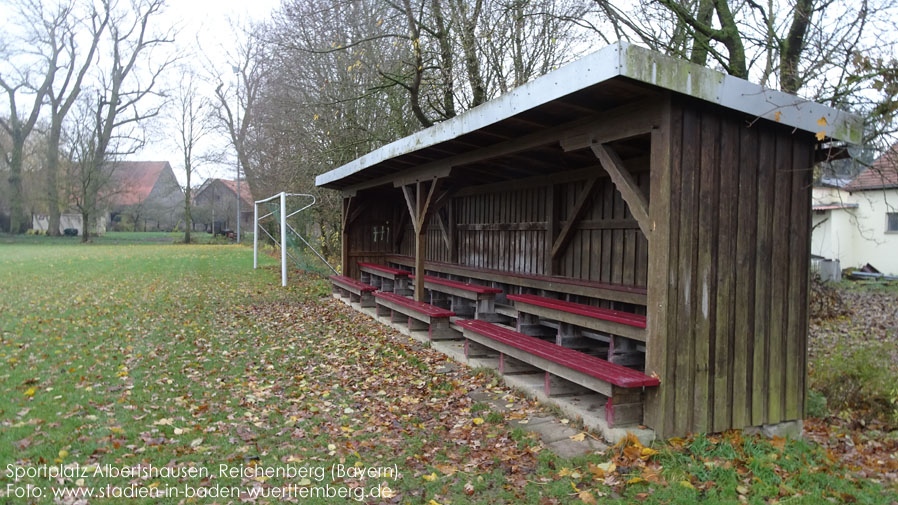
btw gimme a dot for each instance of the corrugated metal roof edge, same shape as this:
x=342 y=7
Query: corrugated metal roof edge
x=640 y=64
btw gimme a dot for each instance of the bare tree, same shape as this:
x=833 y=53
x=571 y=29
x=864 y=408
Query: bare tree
x=126 y=97
x=61 y=97
x=27 y=79
x=191 y=121
x=238 y=99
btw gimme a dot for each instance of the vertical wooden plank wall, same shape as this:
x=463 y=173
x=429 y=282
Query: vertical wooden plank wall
x=736 y=257
x=370 y=236
x=508 y=231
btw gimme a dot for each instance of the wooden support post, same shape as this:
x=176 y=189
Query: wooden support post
x=420 y=245
x=418 y=208
x=662 y=268
x=344 y=238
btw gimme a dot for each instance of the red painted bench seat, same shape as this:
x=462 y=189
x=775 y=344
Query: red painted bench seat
x=420 y=316
x=385 y=269
x=350 y=282
x=420 y=307
x=621 y=385
x=483 y=297
x=356 y=291
x=464 y=286
x=615 y=316
x=592 y=366
x=385 y=278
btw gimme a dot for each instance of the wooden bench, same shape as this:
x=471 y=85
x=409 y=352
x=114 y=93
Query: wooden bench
x=358 y=292
x=621 y=385
x=421 y=316
x=623 y=293
x=483 y=297
x=616 y=322
x=619 y=329
x=384 y=278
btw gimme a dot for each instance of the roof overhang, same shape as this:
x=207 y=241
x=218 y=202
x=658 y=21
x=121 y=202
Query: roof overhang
x=636 y=63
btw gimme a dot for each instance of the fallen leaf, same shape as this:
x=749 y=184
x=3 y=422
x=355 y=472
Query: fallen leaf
x=22 y=444
x=579 y=437
x=587 y=497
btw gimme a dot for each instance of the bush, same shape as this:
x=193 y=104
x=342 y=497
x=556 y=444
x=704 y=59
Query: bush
x=857 y=377
x=817 y=405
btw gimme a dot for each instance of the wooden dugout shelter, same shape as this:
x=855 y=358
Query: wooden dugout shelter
x=631 y=181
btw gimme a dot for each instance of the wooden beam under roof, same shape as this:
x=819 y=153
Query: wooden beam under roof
x=625 y=183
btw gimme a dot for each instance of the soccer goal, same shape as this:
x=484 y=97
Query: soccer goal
x=291 y=243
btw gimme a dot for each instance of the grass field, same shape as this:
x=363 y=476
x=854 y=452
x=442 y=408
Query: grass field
x=178 y=359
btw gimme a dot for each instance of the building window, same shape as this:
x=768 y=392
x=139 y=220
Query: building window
x=892 y=222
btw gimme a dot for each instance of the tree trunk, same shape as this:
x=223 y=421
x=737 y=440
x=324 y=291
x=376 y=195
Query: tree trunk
x=701 y=42
x=52 y=186
x=17 y=222
x=187 y=224
x=790 y=55
x=85 y=226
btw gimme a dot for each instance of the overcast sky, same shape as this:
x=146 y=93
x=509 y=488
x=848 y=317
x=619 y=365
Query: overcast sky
x=207 y=23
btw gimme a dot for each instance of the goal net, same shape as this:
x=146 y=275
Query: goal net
x=276 y=222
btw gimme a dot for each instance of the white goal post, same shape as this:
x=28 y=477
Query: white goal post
x=282 y=217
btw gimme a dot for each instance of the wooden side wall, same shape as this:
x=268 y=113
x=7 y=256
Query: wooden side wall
x=731 y=315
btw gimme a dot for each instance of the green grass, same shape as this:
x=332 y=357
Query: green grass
x=142 y=353
x=122 y=237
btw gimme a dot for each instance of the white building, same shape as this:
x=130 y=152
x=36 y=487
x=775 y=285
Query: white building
x=857 y=223
x=66 y=221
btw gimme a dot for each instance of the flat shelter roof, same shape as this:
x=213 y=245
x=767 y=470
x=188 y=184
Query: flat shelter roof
x=573 y=90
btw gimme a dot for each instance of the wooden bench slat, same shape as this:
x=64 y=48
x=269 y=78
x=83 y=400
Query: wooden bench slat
x=615 y=316
x=465 y=286
x=349 y=281
x=420 y=307
x=385 y=269
x=598 y=368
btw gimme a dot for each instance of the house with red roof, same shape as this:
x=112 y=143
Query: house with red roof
x=856 y=221
x=144 y=196
x=215 y=204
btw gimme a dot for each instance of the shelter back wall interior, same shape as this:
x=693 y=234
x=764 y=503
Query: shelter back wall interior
x=507 y=231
